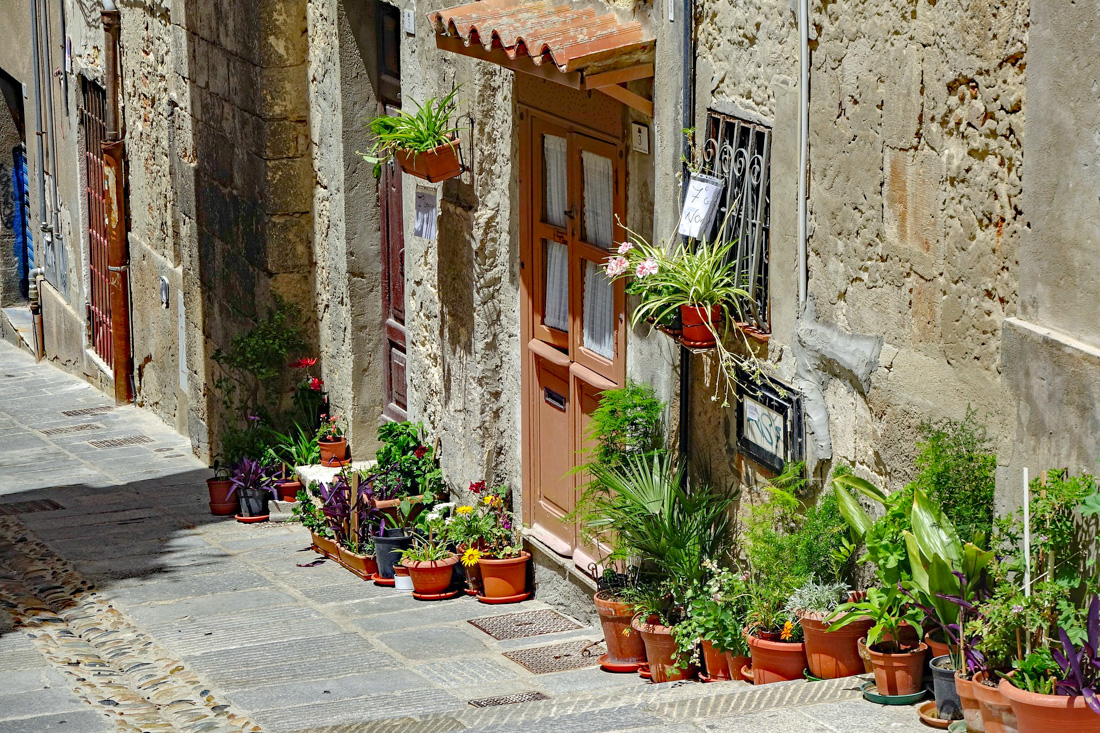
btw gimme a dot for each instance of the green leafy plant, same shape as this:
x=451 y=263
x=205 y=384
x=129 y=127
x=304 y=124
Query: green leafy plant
x=309 y=513
x=1037 y=672
x=817 y=599
x=432 y=541
x=628 y=421
x=714 y=611
x=889 y=609
x=405 y=465
x=298 y=447
x=425 y=129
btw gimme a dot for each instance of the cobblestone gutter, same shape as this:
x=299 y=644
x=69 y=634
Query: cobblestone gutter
x=117 y=669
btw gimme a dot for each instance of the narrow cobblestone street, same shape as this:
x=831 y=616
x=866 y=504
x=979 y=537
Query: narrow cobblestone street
x=128 y=607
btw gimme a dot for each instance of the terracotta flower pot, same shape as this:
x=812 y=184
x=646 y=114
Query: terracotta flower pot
x=431 y=577
x=936 y=647
x=505 y=578
x=362 y=565
x=900 y=673
x=660 y=651
x=288 y=490
x=1037 y=713
x=971 y=710
x=433 y=166
x=775 y=661
x=997 y=715
x=624 y=644
x=717 y=666
x=333 y=452
x=696 y=334
x=833 y=654
x=325 y=545
x=221 y=504
x=865 y=655
x=735 y=662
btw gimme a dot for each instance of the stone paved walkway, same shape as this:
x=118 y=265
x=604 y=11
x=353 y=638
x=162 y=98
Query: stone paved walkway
x=125 y=606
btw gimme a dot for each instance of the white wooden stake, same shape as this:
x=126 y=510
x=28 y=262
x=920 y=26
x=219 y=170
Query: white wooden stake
x=1027 y=537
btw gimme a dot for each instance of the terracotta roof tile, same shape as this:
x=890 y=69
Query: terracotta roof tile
x=569 y=35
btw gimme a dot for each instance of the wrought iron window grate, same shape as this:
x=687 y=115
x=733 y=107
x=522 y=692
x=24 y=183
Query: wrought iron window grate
x=739 y=153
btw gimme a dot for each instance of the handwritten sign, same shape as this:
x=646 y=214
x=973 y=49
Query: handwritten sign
x=700 y=205
x=764 y=427
x=426 y=214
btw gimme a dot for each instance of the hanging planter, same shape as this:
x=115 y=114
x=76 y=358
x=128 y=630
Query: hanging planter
x=441 y=163
x=701 y=324
x=424 y=143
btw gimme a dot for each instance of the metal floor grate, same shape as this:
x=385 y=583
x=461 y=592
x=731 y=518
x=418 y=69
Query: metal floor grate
x=488 y=702
x=27 y=507
x=72 y=429
x=525 y=623
x=120 y=442
x=557 y=657
x=85 y=411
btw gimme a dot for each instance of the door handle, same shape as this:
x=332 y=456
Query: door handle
x=571 y=212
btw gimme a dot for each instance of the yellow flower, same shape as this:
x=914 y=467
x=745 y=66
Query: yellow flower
x=470 y=557
x=788 y=631
x=493 y=501
x=464 y=510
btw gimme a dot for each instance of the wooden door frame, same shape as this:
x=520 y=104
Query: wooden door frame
x=530 y=342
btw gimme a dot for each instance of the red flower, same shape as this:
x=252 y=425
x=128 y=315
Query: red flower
x=305 y=362
x=316 y=384
x=477 y=486
x=420 y=451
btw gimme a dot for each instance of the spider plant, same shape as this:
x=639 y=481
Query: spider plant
x=295 y=448
x=417 y=132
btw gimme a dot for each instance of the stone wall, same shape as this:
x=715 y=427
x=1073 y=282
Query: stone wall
x=916 y=159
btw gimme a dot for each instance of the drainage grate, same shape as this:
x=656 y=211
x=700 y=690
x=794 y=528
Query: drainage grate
x=85 y=411
x=556 y=657
x=488 y=702
x=524 y=624
x=27 y=507
x=72 y=429
x=120 y=442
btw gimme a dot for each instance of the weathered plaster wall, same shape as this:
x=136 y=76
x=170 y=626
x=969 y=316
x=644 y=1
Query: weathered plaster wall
x=916 y=161
x=1051 y=356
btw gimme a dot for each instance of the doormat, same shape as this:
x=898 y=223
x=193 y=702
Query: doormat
x=488 y=702
x=72 y=429
x=120 y=442
x=558 y=657
x=525 y=623
x=84 y=411
x=27 y=507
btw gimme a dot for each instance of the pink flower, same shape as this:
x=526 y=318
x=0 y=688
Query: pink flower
x=646 y=267
x=625 y=247
x=616 y=266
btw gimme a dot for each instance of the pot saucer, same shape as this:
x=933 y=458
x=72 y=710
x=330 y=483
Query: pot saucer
x=707 y=678
x=469 y=592
x=379 y=580
x=644 y=672
x=871 y=694
x=253 y=520
x=608 y=666
x=929 y=715
x=505 y=599
x=434 y=596
x=746 y=674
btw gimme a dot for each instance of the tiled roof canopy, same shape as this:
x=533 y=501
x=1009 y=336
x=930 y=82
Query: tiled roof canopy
x=572 y=37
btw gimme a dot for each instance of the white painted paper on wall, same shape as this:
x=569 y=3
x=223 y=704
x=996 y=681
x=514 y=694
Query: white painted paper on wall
x=426 y=214
x=701 y=203
x=764 y=427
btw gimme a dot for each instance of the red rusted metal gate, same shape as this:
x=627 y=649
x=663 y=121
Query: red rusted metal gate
x=92 y=114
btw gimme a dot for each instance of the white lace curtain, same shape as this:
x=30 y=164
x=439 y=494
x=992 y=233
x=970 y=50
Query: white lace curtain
x=555 y=161
x=599 y=311
x=556 y=308
x=599 y=206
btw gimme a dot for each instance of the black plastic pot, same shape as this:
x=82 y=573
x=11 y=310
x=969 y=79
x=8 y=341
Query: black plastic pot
x=253 y=502
x=387 y=550
x=943 y=687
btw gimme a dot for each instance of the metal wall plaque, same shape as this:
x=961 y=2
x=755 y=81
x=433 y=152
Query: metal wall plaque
x=769 y=422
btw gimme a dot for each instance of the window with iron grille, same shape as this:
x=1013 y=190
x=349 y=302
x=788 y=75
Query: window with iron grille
x=739 y=153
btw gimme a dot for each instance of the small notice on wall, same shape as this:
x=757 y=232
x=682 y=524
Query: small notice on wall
x=426 y=214
x=701 y=203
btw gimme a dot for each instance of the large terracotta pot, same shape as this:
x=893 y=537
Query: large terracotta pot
x=362 y=565
x=433 y=576
x=696 y=334
x=1037 y=713
x=624 y=644
x=288 y=490
x=221 y=504
x=972 y=711
x=833 y=654
x=325 y=545
x=660 y=651
x=333 y=452
x=433 y=166
x=776 y=661
x=717 y=666
x=900 y=673
x=997 y=715
x=735 y=662
x=505 y=578
x=937 y=648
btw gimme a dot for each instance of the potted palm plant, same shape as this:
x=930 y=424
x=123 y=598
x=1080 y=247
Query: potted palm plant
x=898 y=666
x=424 y=143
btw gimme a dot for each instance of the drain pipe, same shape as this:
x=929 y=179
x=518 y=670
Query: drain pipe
x=687 y=122
x=38 y=133
x=50 y=126
x=803 y=150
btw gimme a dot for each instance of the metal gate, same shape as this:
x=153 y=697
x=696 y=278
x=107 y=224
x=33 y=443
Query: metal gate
x=24 y=243
x=95 y=133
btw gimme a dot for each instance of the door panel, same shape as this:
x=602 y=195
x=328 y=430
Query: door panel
x=552 y=410
x=394 y=404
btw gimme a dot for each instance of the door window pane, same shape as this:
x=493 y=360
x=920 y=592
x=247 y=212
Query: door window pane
x=599 y=311
x=555 y=161
x=555 y=313
x=599 y=205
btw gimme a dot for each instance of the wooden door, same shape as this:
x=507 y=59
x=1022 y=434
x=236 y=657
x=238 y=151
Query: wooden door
x=573 y=184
